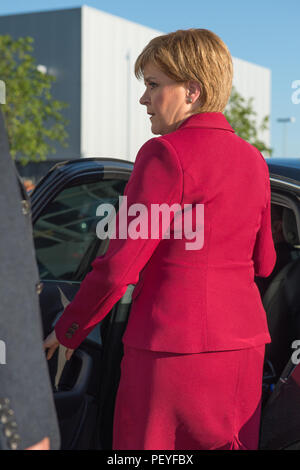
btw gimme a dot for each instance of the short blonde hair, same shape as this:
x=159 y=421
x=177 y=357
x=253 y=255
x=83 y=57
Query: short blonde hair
x=193 y=54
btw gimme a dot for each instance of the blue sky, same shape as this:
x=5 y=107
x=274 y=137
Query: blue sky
x=265 y=32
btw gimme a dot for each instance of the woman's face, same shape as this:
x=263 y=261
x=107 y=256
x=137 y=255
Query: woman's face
x=166 y=100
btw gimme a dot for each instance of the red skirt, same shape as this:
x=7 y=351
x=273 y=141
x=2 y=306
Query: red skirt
x=169 y=401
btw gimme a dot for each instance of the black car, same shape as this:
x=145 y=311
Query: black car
x=64 y=205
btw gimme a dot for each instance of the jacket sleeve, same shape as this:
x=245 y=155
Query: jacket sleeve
x=264 y=254
x=27 y=409
x=156 y=179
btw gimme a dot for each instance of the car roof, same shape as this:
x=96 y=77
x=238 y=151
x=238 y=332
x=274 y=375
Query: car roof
x=287 y=167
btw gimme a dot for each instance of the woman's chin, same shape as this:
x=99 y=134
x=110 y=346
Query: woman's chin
x=155 y=130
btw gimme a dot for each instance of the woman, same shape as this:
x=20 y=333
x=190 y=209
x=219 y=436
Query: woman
x=194 y=344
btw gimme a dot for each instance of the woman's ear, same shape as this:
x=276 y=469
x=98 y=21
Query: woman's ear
x=193 y=90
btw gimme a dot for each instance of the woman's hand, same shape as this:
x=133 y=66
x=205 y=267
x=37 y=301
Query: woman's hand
x=42 y=445
x=52 y=343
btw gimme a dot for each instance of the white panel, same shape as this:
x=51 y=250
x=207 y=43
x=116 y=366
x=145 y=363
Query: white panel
x=254 y=81
x=113 y=123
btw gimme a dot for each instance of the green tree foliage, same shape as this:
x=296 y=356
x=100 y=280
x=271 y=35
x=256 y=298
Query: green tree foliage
x=33 y=118
x=242 y=117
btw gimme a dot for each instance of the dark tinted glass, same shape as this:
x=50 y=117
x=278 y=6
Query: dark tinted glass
x=65 y=234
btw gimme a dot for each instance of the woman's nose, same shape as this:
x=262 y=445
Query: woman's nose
x=144 y=99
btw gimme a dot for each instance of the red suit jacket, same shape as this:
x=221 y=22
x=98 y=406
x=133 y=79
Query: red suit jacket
x=188 y=301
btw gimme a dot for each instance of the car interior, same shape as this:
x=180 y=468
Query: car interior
x=280 y=291
x=85 y=387
x=280 y=421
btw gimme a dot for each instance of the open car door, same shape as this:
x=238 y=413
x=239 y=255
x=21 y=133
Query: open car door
x=280 y=421
x=64 y=220
x=280 y=428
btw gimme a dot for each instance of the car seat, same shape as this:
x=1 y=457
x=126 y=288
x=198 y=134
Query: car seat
x=282 y=302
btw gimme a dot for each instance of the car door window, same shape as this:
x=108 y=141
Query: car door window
x=65 y=234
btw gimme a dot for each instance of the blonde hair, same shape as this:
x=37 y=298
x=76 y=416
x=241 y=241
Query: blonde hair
x=193 y=54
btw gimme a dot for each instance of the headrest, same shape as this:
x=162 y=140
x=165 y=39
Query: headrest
x=289 y=227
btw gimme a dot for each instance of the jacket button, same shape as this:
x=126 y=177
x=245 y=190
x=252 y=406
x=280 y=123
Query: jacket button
x=8 y=431
x=25 y=207
x=14 y=441
x=69 y=335
x=5 y=415
x=39 y=287
x=75 y=326
x=3 y=418
x=4 y=402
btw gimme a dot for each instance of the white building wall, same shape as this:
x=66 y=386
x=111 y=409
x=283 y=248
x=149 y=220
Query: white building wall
x=57 y=46
x=92 y=56
x=254 y=81
x=113 y=123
